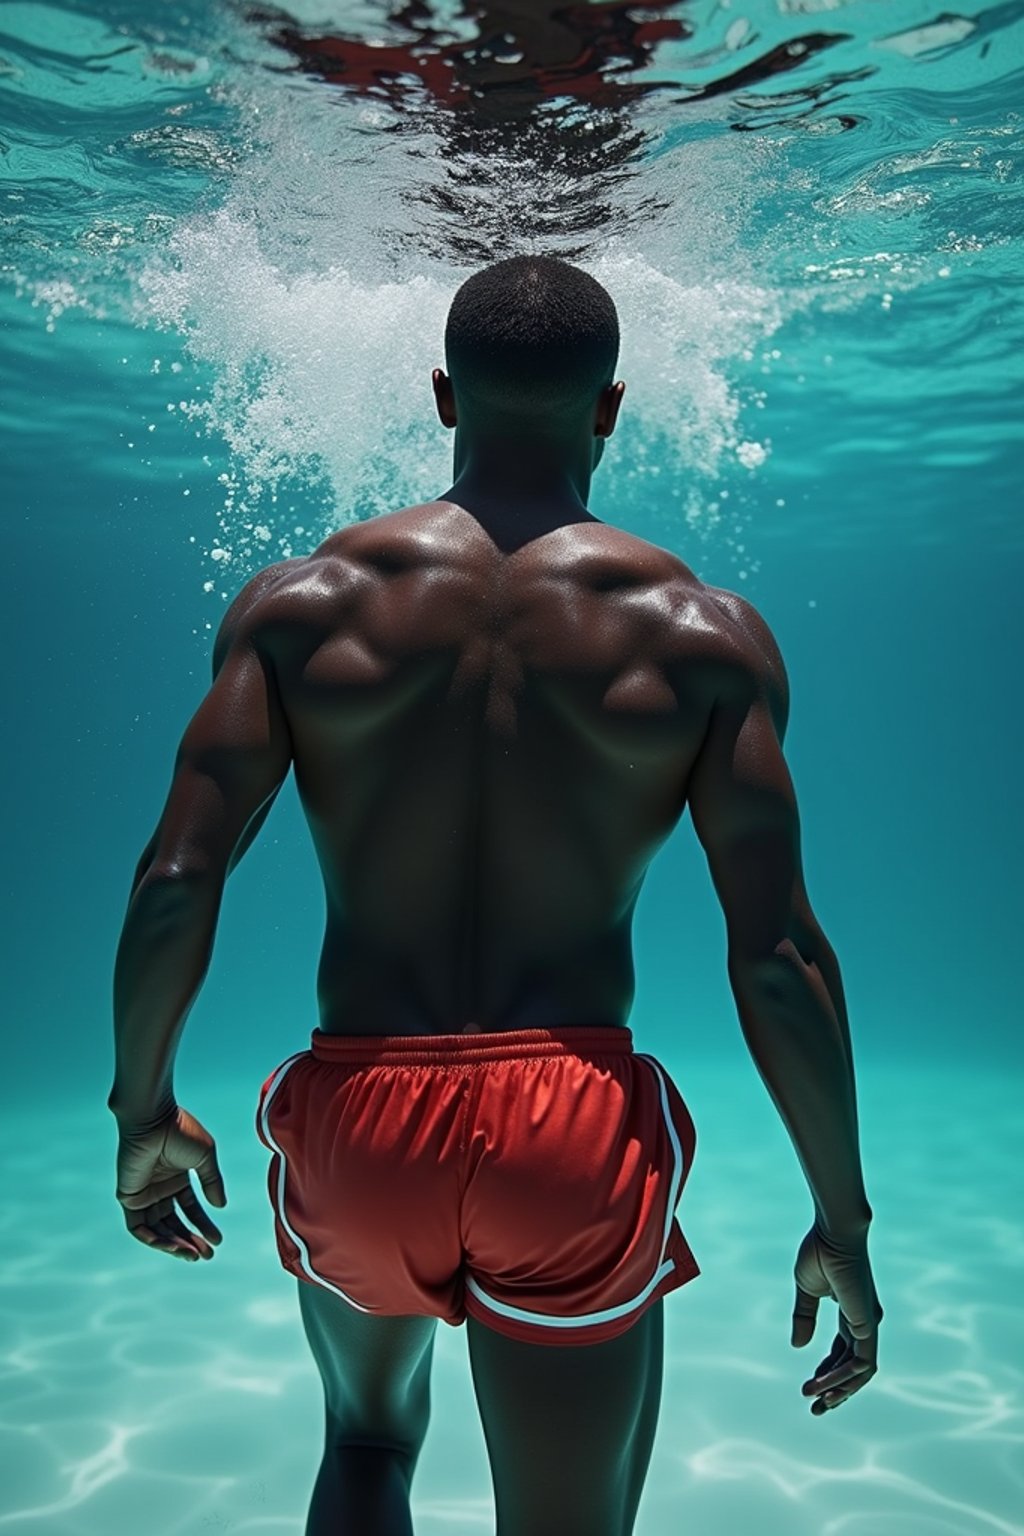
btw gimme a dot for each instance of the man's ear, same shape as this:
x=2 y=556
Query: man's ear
x=444 y=397
x=607 y=413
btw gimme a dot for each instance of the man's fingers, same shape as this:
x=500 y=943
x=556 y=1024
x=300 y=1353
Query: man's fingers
x=210 y=1178
x=156 y=1239
x=803 y=1331
x=849 y=1371
x=174 y=1224
x=839 y=1395
x=805 y=1314
x=160 y=1226
x=189 y=1202
x=170 y=1231
x=832 y=1359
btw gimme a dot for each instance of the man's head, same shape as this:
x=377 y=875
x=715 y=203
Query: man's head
x=531 y=345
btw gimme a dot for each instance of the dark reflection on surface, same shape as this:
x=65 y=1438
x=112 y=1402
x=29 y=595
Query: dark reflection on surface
x=528 y=104
x=533 y=105
x=523 y=52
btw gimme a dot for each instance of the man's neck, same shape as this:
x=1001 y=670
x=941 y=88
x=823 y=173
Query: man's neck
x=536 y=476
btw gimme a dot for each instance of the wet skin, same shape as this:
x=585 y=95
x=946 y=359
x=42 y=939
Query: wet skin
x=489 y=748
x=497 y=708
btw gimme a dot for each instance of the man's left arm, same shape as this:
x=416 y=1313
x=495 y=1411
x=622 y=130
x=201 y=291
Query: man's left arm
x=232 y=760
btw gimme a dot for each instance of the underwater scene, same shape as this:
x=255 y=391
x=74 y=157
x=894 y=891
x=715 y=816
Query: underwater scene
x=230 y=235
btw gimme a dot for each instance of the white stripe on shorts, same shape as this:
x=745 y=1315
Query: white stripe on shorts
x=276 y=1081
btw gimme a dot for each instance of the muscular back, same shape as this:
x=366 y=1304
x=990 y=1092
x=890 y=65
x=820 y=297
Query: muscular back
x=490 y=747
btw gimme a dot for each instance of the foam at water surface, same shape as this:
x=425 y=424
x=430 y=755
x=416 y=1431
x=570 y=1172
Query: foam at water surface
x=324 y=376
x=317 y=293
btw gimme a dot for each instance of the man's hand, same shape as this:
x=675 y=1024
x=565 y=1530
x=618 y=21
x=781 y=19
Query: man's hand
x=843 y=1272
x=153 y=1172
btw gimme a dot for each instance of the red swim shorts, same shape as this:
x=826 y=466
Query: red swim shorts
x=528 y=1177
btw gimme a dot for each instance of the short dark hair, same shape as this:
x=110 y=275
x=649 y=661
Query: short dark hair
x=531 y=334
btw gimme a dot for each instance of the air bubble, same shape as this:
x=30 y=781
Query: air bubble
x=751 y=455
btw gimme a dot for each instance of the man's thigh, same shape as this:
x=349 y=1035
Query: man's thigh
x=569 y=1429
x=375 y=1370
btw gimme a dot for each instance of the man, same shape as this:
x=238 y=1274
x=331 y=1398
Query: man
x=497 y=708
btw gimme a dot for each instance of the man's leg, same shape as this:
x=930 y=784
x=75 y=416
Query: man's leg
x=376 y=1376
x=569 y=1429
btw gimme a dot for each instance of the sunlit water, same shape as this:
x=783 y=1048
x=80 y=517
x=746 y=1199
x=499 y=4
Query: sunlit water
x=144 y=1395
x=228 y=239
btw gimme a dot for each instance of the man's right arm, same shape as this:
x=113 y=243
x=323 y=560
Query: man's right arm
x=784 y=975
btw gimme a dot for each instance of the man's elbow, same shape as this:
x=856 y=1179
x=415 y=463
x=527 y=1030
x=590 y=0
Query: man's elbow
x=761 y=965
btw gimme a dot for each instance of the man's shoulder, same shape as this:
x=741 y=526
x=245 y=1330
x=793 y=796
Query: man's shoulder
x=754 y=648
x=279 y=594
x=300 y=581
x=238 y=616
x=307 y=586
x=740 y=612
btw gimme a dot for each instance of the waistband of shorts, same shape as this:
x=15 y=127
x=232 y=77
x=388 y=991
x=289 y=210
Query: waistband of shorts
x=459 y=1050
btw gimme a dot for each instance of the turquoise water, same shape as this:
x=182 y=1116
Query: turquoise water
x=224 y=279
